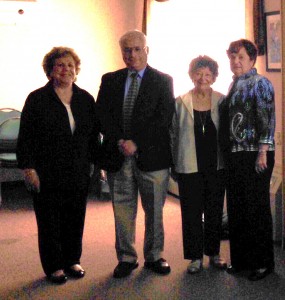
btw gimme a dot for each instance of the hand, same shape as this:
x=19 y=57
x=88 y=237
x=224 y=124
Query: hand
x=32 y=180
x=261 y=162
x=127 y=147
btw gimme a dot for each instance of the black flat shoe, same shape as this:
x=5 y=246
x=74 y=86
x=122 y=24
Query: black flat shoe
x=218 y=263
x=160 y=266
x=75 y=273
x=57 y=279
x=260 y=273
x=124 y=269
x=233 y=270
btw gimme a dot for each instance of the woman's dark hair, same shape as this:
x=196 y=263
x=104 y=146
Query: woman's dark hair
x=58 y=52
x=249 y=47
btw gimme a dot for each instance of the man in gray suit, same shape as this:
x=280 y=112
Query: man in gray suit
x=135 y=106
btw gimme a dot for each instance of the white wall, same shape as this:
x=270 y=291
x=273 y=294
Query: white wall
x=91 y=27
x=180 y=30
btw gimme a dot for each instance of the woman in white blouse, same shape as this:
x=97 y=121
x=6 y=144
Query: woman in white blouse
x=57 y=143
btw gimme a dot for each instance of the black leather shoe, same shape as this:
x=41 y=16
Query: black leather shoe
x=75 y=273
x=233 y=270
x=124 y=269
x=160 y=266
x=260 y=273
x=58 y=279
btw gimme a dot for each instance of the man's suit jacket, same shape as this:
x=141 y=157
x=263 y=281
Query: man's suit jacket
x=151 y=119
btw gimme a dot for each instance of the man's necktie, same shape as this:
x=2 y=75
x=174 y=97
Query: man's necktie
x=129 y=104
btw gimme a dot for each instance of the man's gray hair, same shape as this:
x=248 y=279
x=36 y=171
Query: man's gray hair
x=133 y=34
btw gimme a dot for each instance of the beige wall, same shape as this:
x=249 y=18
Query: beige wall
x=91 y=27
x=283 y=100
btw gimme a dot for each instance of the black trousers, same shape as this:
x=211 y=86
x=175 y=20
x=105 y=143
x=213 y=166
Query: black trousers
x=201 y=192
x=249 y=213
x=60 y=218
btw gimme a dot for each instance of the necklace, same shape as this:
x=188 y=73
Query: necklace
x=203 y=119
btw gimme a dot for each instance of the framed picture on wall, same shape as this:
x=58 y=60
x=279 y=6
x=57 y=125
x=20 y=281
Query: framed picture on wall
x=273 y=41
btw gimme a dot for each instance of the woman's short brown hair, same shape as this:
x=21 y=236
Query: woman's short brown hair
x=58 y=52
x=249 y=47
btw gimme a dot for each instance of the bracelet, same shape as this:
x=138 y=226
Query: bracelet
x=262 y=151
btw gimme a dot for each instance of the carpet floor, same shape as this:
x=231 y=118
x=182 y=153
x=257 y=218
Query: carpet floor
x=21 y=276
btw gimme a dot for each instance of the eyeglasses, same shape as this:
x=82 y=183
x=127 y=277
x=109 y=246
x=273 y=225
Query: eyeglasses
x=137 y=50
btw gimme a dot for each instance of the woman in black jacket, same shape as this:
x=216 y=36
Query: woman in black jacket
x=58 y=141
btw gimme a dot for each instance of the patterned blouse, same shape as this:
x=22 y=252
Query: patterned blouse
x=251 y=112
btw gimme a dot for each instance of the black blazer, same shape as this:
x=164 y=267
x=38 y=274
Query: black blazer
x=151 y=119
x=46 y=143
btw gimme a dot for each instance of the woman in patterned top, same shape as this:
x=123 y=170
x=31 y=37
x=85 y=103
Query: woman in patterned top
x=247 y=138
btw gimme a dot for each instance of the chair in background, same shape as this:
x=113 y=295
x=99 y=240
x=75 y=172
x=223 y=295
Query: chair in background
x=9 y=130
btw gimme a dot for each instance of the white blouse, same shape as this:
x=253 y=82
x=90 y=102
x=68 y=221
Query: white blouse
x=70 y=116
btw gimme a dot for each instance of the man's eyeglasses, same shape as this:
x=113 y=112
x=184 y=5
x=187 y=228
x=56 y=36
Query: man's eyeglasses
x=137 y=50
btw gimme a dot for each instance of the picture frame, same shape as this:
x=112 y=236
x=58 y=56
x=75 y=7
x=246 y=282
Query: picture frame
x=273 y=41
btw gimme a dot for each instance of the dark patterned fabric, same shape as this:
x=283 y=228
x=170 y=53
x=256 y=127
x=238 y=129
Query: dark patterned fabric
x=259 y=26
x=251 y=112
x=129 y=104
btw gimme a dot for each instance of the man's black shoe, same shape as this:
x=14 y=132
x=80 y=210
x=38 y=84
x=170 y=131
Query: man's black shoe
x=75 y=273
x=160 y=266
x=260 y=273
x=57 y=279
x=124 y=269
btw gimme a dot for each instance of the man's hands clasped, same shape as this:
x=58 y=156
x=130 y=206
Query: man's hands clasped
x=127 y=147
